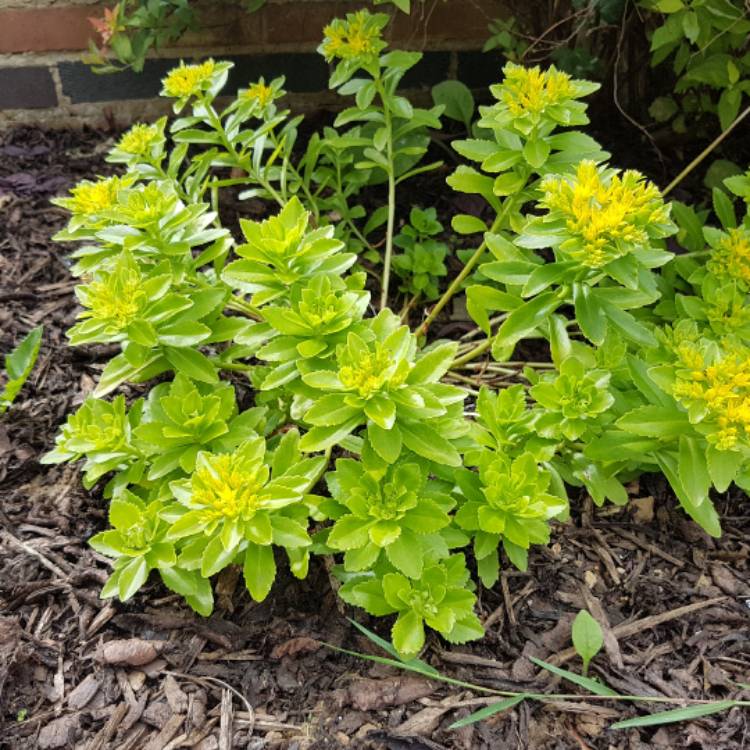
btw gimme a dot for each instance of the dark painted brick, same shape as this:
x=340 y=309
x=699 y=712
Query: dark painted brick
x=479 y=69
x=27 y=88
x=304 y=73
x=431 y=69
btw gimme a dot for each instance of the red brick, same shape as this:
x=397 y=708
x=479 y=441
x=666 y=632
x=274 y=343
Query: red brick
x=301 y=23
x=225 y=26
x=47 y=29
x=458 y=21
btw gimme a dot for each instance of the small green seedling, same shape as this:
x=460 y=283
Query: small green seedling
x=18 y=366
x=587 y=638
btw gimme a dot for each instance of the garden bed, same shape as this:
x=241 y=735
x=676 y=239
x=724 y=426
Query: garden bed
x=258 y=675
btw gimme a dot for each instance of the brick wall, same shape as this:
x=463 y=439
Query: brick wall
x=42 y=78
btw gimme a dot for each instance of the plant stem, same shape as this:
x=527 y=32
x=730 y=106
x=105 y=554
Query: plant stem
x=706 y=151
x=465 y=271
x=473 y=353
x=391 y=194
x=312 y=203
x=216 y=124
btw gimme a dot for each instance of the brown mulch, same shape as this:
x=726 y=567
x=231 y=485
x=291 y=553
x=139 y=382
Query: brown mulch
x=79 y=672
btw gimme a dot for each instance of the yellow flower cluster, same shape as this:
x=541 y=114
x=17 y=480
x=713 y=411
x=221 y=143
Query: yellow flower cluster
x=259 y=92
x=356 y=38
x=731 y=255
x=605 y=216
x=188 y=80
x=116 y=299
x=723 y=388
x=227 y=487
x=369 y=373
x=139 y=139
x=89 y=198
x=144 y=206
x=532 y=90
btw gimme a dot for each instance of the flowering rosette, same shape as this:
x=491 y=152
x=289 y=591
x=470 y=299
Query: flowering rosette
x=378 y=382
x=355 y=39
x=385 y=509
x=440 y=599
x=185 y=82
x=598 y=216
x=143 y=143
x=317 y=320
x=507 y=501
x=282 y=251
x=235 y=506
x=102 y=432
x=529 y=96
x=91 y=201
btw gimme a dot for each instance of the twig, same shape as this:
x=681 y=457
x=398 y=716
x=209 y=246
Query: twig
x=706 y=151
x=626 y=629
x=616 y=93
x=652 y=548
x=59 y=572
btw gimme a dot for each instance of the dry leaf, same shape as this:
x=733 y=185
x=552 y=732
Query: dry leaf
x=134 y=652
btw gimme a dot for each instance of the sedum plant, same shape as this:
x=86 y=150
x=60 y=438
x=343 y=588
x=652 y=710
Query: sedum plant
x=290 y=419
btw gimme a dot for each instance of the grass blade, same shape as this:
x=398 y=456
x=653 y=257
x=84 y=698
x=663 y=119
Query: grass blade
x=593 y=686
x=677 y=714
x=416 y=664
x=487 y=711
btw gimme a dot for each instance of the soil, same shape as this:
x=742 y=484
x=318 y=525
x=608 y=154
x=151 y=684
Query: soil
x=79 y=672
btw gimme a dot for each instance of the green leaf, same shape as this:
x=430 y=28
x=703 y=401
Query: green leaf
x=433 y=364
x=724 y=208
x=588 y=638
x=593 y=686
x=655 y=421
x=386 y=443
x=191 y=585
x=408 y=633
x=589 y=314
x=482 y=299
x=405 y=554
x=523 y=320
x=192 y=363
x=467 y=224
x=132 y=577
x=677 y=714
x=536 y=151
x=216 y=557
x=729 y=106
x=457 y=100
x=428 y=443
x=723 y=467
x=704 y=514
x=381 y=410
x=259 y=570
x=18 y=366
x=288 y=533
x=487 y=711
x=693 y=469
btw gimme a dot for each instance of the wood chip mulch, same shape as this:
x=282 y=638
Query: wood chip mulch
x=79 y=672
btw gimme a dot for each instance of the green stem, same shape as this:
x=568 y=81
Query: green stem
x=465 y=271
x=312 y=204
x=391 y=194
x=240 y=305
x=215 y=122
x=706 y=151
x=473 y=353
x=347 y=219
